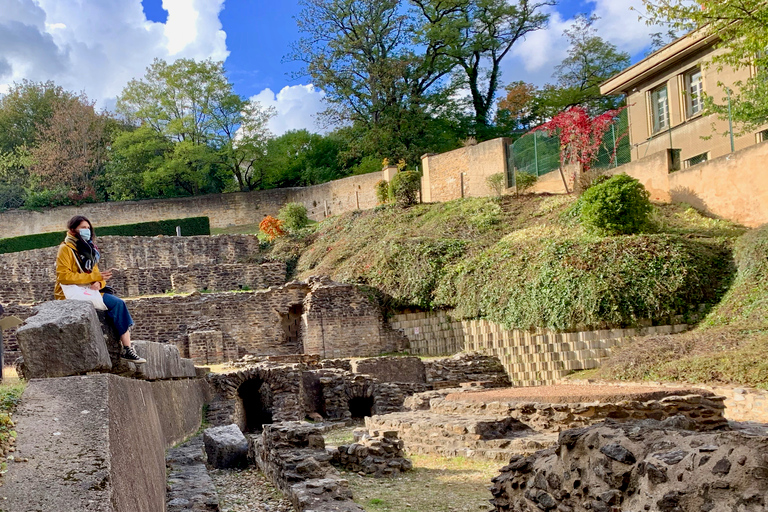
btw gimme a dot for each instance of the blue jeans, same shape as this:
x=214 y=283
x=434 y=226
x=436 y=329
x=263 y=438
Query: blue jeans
x=118 y=312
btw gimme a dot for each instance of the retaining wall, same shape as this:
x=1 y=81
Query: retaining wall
x=733 y=186
x=531 y=359
x=223 y=210
x=97 y=442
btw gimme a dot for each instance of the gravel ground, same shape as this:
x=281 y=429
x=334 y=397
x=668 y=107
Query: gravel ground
x=572 y=393
x=247 y=491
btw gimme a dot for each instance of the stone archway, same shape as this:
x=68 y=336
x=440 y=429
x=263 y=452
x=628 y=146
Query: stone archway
x=360 y=407
x=255 y=404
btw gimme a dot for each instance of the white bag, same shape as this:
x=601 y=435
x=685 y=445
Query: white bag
x=77 y=292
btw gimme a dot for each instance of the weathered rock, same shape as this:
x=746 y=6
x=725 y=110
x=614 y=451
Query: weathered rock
x=392 y=369
x=64 y=338
x=642 y=465
x=376 y=453
x=190 y=488
x=95 y=443
x=226 y=447
x=293 y=456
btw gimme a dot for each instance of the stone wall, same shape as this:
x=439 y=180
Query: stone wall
x=466 y=367
x=147 y=265
x=703 y=409
x=646 y=465
x=292 y=455
x=339 y=321
x=445 y=174
x=530 y=358
x=96 y=443
x=373 y=452
x=223 y=210
x=249 y=322
x=732 y=187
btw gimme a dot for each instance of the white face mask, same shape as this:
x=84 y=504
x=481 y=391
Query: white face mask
x=85 y=234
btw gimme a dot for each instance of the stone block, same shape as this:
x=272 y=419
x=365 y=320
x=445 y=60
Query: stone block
x=64 y=338
x=226 y=447
x=95 y=443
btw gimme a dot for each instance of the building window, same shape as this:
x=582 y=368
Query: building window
x=762 y=136
x=694 y=92
x=660 y=108
x=696 y=160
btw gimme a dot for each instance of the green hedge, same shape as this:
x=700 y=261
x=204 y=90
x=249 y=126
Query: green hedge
x=189 y=227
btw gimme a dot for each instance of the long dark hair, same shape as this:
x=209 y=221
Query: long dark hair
x=75 y=221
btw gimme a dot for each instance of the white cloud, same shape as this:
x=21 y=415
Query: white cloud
x=99 y=45
x=534 y=60
x=297 y=107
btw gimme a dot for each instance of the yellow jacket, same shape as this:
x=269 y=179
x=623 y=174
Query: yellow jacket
x=68 y=272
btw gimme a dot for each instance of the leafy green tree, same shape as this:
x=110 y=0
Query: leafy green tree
x=590 y=61
x=392 y=93
x=476 y=35
x=741 y=30
x=25 y=108
x=190 y=169
x=193 y=102
x=134 y=153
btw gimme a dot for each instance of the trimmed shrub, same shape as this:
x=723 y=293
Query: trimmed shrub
x=189 y=227
x=496 y=183
x=382 y=191
x=404 y=188
x=524 y=181
x=293 y=216
x=619 y=205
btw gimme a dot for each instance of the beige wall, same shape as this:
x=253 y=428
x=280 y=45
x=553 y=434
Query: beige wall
x=686 y=131
x=733 y=187
x=442 y=174
x=223 y=210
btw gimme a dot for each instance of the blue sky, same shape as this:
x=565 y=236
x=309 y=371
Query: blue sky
x=97 y=46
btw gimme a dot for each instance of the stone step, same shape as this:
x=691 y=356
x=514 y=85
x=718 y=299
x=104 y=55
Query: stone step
x=163 y=362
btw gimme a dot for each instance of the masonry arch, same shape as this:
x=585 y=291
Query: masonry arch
x=256 y=402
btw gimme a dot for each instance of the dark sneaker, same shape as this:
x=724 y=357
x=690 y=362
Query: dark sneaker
x=129 y=354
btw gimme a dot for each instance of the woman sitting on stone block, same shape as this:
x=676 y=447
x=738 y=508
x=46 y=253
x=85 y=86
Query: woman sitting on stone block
x=77 y=263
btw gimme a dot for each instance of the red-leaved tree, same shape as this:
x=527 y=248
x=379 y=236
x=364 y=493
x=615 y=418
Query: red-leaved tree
x=580 y=135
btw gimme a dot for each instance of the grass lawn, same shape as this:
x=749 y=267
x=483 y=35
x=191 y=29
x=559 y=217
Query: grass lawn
x=436 y=484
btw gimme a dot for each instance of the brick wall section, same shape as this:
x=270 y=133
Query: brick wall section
x=339 y=321
x=531 y=359
x=148 y=265
x=251 y=321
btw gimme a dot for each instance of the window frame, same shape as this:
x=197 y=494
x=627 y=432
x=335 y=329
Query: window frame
x=703 y=157
x=654 y=103
x=693 y=99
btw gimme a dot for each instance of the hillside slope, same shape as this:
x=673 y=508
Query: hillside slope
x=523 y=262
x=730 y=346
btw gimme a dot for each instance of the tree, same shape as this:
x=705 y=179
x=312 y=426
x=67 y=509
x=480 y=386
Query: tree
x=193 y=102
x=516 y=110
x=71 y=147
x=376 y=79
x=25 y=108
x=741 y=29
x=590 y=61
x=135 y=153
x=476 y=35
x=580 y=135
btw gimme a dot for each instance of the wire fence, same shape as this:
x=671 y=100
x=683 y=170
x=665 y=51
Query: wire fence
x=538 y=153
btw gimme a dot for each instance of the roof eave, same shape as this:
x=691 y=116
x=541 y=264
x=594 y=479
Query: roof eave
x=675 y=51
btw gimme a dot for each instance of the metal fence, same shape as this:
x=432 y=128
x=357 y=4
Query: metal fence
x=538 y=153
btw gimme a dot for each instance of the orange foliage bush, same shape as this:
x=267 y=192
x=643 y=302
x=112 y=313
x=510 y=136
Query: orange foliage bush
x=271 y=227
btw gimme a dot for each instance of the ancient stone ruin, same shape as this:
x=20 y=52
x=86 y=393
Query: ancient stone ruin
x=666 y=465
